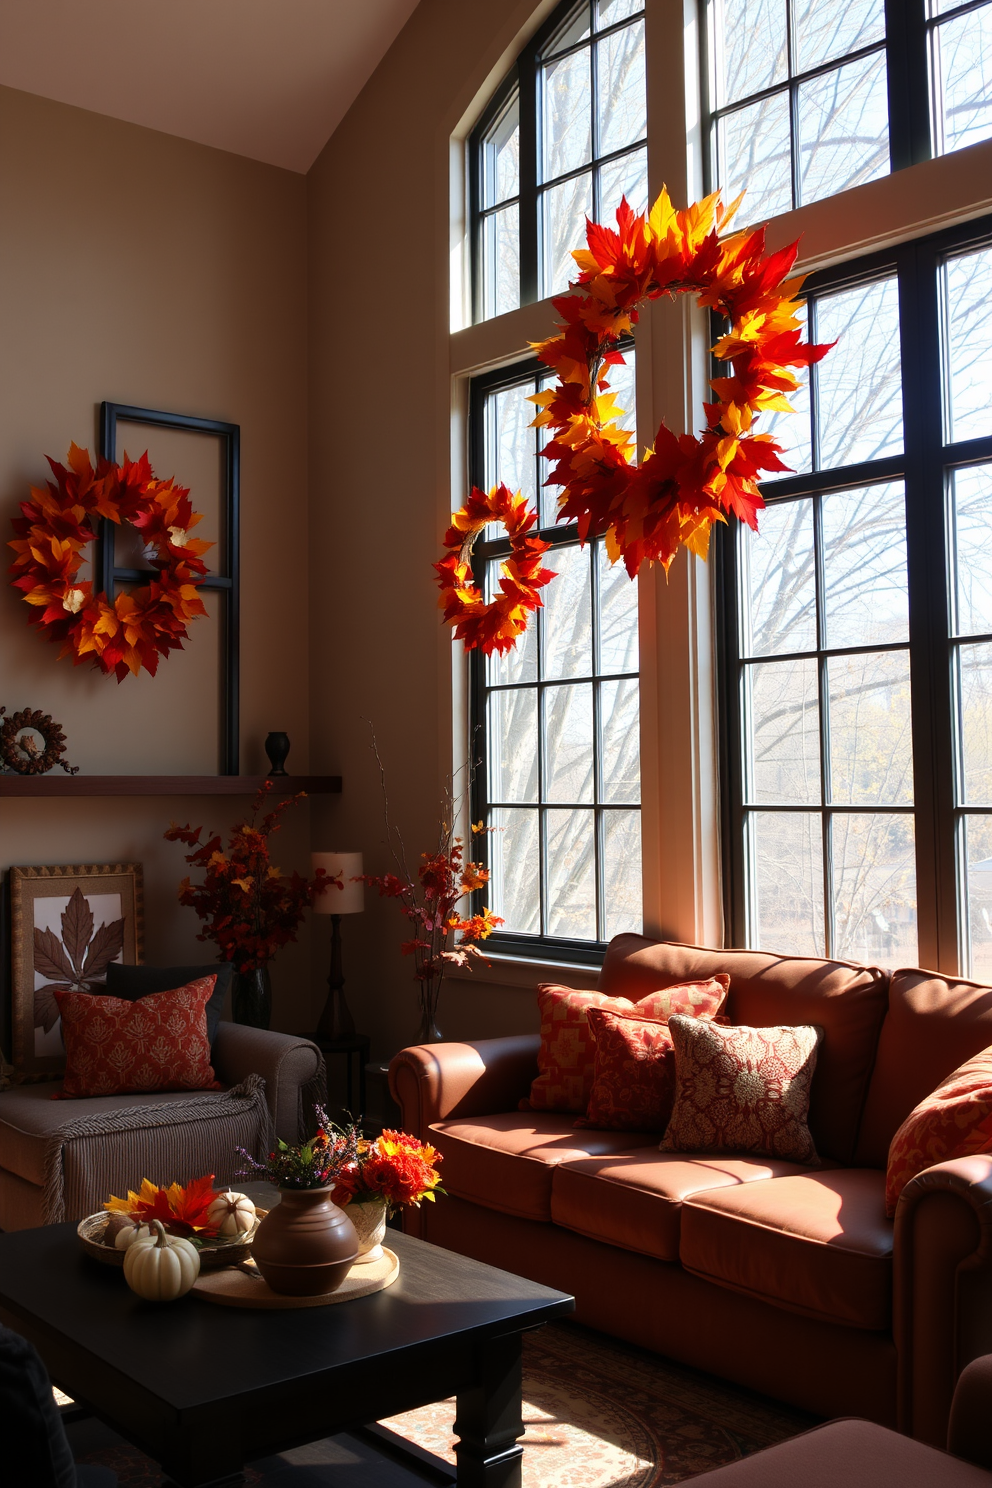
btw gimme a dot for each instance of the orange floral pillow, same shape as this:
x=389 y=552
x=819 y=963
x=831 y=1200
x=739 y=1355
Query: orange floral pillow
x=633 y=1086
x=742 y=1089
x=567 y=1056
x=954 y=1121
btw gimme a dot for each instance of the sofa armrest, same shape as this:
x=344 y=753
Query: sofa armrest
x=292 y=1068
x=432 y=1081
x=942 y=1313
x=970 y=1432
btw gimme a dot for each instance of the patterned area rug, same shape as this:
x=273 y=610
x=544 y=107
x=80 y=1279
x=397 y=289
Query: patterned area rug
x=598 y=1414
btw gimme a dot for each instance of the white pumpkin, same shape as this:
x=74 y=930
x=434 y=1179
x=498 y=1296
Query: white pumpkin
x=162 y=1268
x=233 y=1214
x=133 y=1230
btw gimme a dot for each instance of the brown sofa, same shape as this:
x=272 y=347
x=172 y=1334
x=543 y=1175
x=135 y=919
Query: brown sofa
x=60 y=1159
x=784 y=1278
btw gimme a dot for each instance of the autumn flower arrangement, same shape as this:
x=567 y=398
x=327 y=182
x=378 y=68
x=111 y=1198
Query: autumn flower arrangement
x=316 y=1163
x=645 y=511
x=394 y=1169
x=250 y=909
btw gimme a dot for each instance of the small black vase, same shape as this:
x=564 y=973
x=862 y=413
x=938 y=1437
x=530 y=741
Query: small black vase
x=251 y=999
x=277 y=748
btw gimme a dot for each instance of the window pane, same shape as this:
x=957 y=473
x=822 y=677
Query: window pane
x=626 y=177
x=501 y=260
x=874 y=860
x=618 y=647
x=784 y=733
x=792 y=430
x=610 y=12
x=843 y=128
x=620 y=93
x=622 y=873
x=871 y=736
x=564 y=209
x=962 y=70
x=512 y=731
x=829 y=29
x=978 y=887
x=971 y=505
x=975 y=682
x=569 y=741
x=568 y=614
x=520 y=664
x=511 y=449
x=573 y=30
x=514 y=889
x=567 y=130
x=618 y=702
x=859 y=385
x=754 y=152
x=968 y=353
x=778 y=581
x=750 y=47
x=571 y=875
x=501 y=157
x=864 y=561
x=787 y=853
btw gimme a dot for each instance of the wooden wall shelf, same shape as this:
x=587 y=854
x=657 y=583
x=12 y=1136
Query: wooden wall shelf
x=67 y=787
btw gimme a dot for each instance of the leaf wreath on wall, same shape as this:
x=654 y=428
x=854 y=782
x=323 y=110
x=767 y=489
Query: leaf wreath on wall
x=76 y=963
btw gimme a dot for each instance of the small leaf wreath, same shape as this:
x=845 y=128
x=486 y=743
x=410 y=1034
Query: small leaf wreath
x=684 y=484
x=118 y=634
x=18 y=749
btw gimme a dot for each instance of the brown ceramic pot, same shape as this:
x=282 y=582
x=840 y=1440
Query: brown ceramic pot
x=305 y=1245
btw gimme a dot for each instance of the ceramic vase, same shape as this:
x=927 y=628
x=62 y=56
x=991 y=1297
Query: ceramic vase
x=305 y=1246
x=251 y=998
x=369 y=1218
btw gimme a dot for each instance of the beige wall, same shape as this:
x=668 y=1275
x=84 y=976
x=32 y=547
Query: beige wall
x=144 y=269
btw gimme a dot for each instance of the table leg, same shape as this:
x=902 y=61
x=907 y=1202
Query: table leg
x=488 y=1419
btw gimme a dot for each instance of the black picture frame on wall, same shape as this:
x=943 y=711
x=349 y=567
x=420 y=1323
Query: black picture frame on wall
x=226 y=584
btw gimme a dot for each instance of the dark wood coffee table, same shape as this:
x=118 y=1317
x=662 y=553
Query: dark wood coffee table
x=204 y=1389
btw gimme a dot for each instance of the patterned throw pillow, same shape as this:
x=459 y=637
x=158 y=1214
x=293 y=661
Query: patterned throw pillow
x=954 y=1121
x=633 y=1084
x=113 y=1047
x=567 y=1055
x=742 y=1089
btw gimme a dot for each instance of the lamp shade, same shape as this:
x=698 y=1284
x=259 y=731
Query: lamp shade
x=346 y=865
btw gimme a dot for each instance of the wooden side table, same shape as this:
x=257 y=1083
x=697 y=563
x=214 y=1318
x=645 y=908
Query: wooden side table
x=355 y=1046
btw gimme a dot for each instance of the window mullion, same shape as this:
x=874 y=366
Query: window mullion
x=530 y=143
x=908 y=82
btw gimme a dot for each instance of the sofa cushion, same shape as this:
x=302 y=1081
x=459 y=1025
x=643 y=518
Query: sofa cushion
x=132 y=982
x=934 y=1024
x=633 y=1085
x=117 y=1047
x=506 y=1162
x=846 y=1000
x=29 y=1116
x=634 y=1199
x=816 y=1243
x=954 y=1121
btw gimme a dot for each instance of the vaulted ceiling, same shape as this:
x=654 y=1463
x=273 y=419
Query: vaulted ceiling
x=270 y=79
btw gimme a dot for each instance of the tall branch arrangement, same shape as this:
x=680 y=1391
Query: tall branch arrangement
x=249 y=907
x=685 y=483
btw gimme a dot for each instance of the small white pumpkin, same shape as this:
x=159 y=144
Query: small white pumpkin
x=133 y=1230
x=232 y=1213
x=162 y=1268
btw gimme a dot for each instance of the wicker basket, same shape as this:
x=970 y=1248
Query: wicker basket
x=217 y=1253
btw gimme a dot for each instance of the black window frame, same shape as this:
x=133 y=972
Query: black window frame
x=532 y=947
x=912 y=126
x=522 y=80
x=942 y=906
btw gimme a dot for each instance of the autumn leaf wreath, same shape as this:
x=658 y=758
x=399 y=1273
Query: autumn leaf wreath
x=684 y=484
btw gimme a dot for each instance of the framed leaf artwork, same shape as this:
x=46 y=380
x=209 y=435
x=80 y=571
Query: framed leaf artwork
x=67 y=925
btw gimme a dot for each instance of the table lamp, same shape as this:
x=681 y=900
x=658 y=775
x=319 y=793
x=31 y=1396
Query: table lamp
x=336 y=1021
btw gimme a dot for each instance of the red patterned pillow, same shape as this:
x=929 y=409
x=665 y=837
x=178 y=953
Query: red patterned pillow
x=954 y=1121
x=113 y=1047
x=567 y=1055
x=633 y=1085
x=742 y=1089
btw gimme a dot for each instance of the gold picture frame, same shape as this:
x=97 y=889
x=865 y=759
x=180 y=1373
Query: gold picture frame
x=67 y=924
